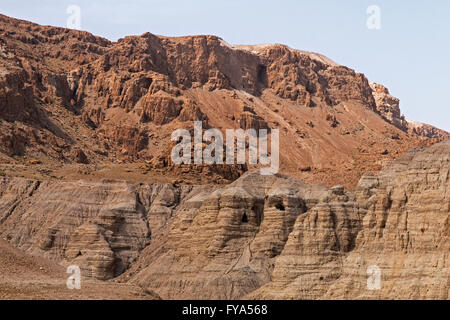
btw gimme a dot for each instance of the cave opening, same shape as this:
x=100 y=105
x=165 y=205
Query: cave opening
x=262 y=74
x=258 y=209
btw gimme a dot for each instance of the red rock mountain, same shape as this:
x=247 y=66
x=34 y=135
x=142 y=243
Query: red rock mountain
x=68 y=97
x=74 y=106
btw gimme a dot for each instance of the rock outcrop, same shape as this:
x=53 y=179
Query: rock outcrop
x=71 y=101
x=388 y=106
x=226 y=239
x=276 y=238
x=270 y=237
x=100 y=226
x=400 y=225
x=62 y=91
x=28 y=277
x=427 y=131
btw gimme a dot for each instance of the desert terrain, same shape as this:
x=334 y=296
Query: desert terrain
x=86 y=176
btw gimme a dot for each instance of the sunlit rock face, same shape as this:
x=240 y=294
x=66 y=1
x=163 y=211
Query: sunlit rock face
x=399 y=223
x=271 y=237
x=68 y=97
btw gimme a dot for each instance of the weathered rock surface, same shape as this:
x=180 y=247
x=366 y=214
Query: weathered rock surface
x=70 y=97
x=64 y=93
x=27 y=277
x=427 y=131
x=277 y=238
x=226 y=239
x=388 y=107
x=400 y=224
x=100 y=226
x=271 y=237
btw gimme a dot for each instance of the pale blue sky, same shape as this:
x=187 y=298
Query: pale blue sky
x=409 y=54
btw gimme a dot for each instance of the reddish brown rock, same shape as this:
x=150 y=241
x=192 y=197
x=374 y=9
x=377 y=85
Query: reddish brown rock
x=63 y=90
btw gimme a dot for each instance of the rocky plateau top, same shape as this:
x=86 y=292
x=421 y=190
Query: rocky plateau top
x=86 y=176
x=71 y=102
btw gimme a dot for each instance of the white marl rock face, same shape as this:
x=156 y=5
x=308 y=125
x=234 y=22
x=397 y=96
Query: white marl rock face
x=400 y=224
x=269 y=237
x=100 y=226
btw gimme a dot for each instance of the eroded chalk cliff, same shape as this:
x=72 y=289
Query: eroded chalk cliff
x=268 y=237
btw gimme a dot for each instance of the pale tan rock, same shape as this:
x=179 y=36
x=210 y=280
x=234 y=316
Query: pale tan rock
x=224 y=243
x=400 y=224
x=269 y=237
x=388 y=106
x=98 y=223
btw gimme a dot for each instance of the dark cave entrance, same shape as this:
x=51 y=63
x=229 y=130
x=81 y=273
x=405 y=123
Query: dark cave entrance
x=262 y=74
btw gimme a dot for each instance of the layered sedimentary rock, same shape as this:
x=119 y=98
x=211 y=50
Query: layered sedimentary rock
x=70 y=98
x=426 y=130
x=268 y=237
x=27 y=277
x=388 y=106
x=66 y=93
x=226 y=239
x=406 y=230
x=396 y=222
x=400 y=226
x=100 y=226
x=311 y=259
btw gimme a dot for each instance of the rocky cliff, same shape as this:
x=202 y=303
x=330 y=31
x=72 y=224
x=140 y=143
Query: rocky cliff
x=268 y=237
x=281 y=239
x=400 y=225
x=68 y=98
x=73 y=105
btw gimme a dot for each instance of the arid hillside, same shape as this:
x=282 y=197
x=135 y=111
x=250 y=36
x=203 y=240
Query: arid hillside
x=23 y=276
x=270 y=237
x=86 y=176
x=73 y=105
